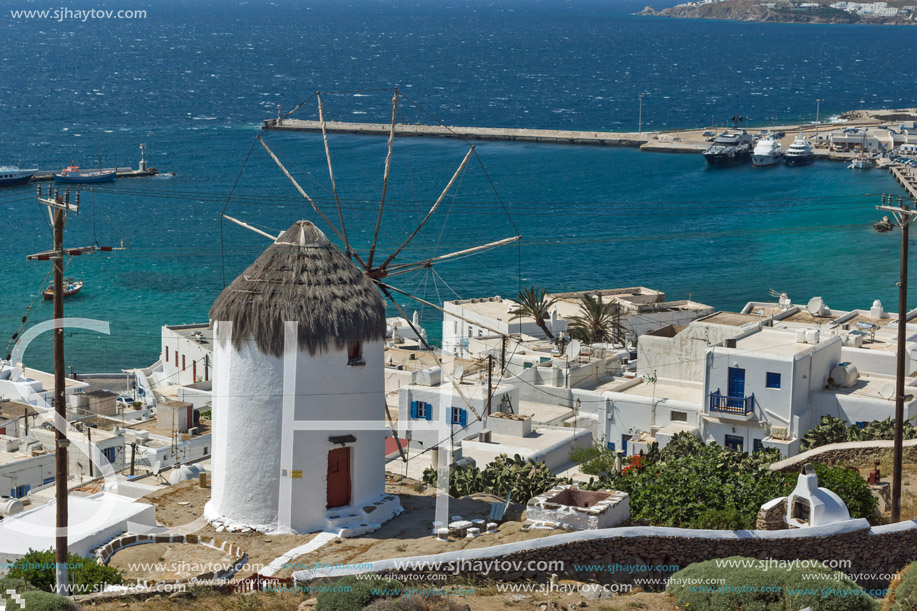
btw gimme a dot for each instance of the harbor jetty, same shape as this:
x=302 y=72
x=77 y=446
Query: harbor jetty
x=47 y=175
x=665 y=141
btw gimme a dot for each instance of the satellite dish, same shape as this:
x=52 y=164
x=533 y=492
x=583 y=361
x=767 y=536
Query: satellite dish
x=459 y=373
x=815 y=306
x=157 y=467
x=887 y=391
x=573 y=349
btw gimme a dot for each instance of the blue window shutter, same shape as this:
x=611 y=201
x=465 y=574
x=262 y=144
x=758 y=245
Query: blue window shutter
x=428 y=411
x=413 y=409
x=463 y=417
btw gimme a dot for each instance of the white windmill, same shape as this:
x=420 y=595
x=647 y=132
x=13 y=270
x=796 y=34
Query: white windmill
x=298 y=417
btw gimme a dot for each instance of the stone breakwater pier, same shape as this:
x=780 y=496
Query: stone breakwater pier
x=667 y=141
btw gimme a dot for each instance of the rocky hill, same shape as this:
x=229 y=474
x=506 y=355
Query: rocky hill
x=755 y=10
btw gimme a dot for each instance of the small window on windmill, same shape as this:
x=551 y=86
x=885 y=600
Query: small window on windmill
x=355 y=353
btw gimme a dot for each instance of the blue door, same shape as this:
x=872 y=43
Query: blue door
x=624 y=440
x=736 y=388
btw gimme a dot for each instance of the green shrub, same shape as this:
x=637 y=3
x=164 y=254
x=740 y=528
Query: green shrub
x=835 y=430
x=759 y=587
x=597 y=459
x=902 y=594
x=37 y=568
x=677 y=485
x=729 y=518
x=525 y=478
x=36 y=600
x=358 y=594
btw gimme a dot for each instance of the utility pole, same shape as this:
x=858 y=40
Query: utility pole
x=502 y=354
x=817 y=111
x=490 y=380
x=904 y=215
x=59 y=208
x=640 y=119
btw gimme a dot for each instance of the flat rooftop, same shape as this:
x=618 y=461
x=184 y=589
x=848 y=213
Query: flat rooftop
x=543 y=413
x=15 y=409
x=733 y=319
x=872 y=386
x=772 y=342
x=667 y=390
x=191 y=331
x=7 y=458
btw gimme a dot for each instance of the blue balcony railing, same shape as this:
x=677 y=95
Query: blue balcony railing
x=741 y=406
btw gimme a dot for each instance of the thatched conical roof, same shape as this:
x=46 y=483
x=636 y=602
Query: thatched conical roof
x=302 y=276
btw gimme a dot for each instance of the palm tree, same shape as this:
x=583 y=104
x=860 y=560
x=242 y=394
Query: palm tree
x=534 y=303
x=597 y=321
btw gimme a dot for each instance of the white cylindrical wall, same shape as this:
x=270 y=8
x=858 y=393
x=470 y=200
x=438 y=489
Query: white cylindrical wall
x=248 y=429
x=247 y=422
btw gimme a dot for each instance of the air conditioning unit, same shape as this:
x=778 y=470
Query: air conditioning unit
x=485 y=436
x=780 y=432
x=192 y=431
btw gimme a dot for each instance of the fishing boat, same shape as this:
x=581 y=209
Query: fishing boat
x=12 y=175
x=73 y=174
x=71 y=287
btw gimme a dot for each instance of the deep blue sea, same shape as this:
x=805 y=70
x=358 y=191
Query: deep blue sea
x=194 y=80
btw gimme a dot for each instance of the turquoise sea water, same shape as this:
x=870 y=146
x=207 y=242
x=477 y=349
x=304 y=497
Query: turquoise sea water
x=194 y=83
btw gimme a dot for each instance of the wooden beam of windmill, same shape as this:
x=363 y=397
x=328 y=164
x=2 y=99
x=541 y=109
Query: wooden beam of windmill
x=309 y=199
x=388 y=287
x=430 y=213
x=404 y=268
x=388 y=167
x=334 y=188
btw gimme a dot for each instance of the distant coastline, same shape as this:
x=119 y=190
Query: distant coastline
x=763 y=11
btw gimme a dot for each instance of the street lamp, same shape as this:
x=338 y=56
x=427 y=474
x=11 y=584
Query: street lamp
x=640 y=119
x=817 y=110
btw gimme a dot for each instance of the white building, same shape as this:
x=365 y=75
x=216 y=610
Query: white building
x=642 y=310
x=756 y=379
x=421 y=407
x=298 y=410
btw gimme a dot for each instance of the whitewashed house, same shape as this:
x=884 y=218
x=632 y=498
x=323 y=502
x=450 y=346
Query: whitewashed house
x=642 y=310
x=298 y=409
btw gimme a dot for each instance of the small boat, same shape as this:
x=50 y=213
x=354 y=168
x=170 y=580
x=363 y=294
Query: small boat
x=73 y=174
x=862 y=163
x=768 y=151
x=800 y=152
x=12 y=175
x=71 y=287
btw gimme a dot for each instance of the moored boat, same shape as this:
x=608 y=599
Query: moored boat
x=12 y=175
x=71 y=287
x=800 y=152
x=861 y=162
x=768 y=151
x=73 y=174
x=729 y=149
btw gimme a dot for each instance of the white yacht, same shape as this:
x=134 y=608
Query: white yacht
x=768 y=151
x=800 y=152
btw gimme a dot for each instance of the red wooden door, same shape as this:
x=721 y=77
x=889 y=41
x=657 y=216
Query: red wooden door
x=338 y=477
